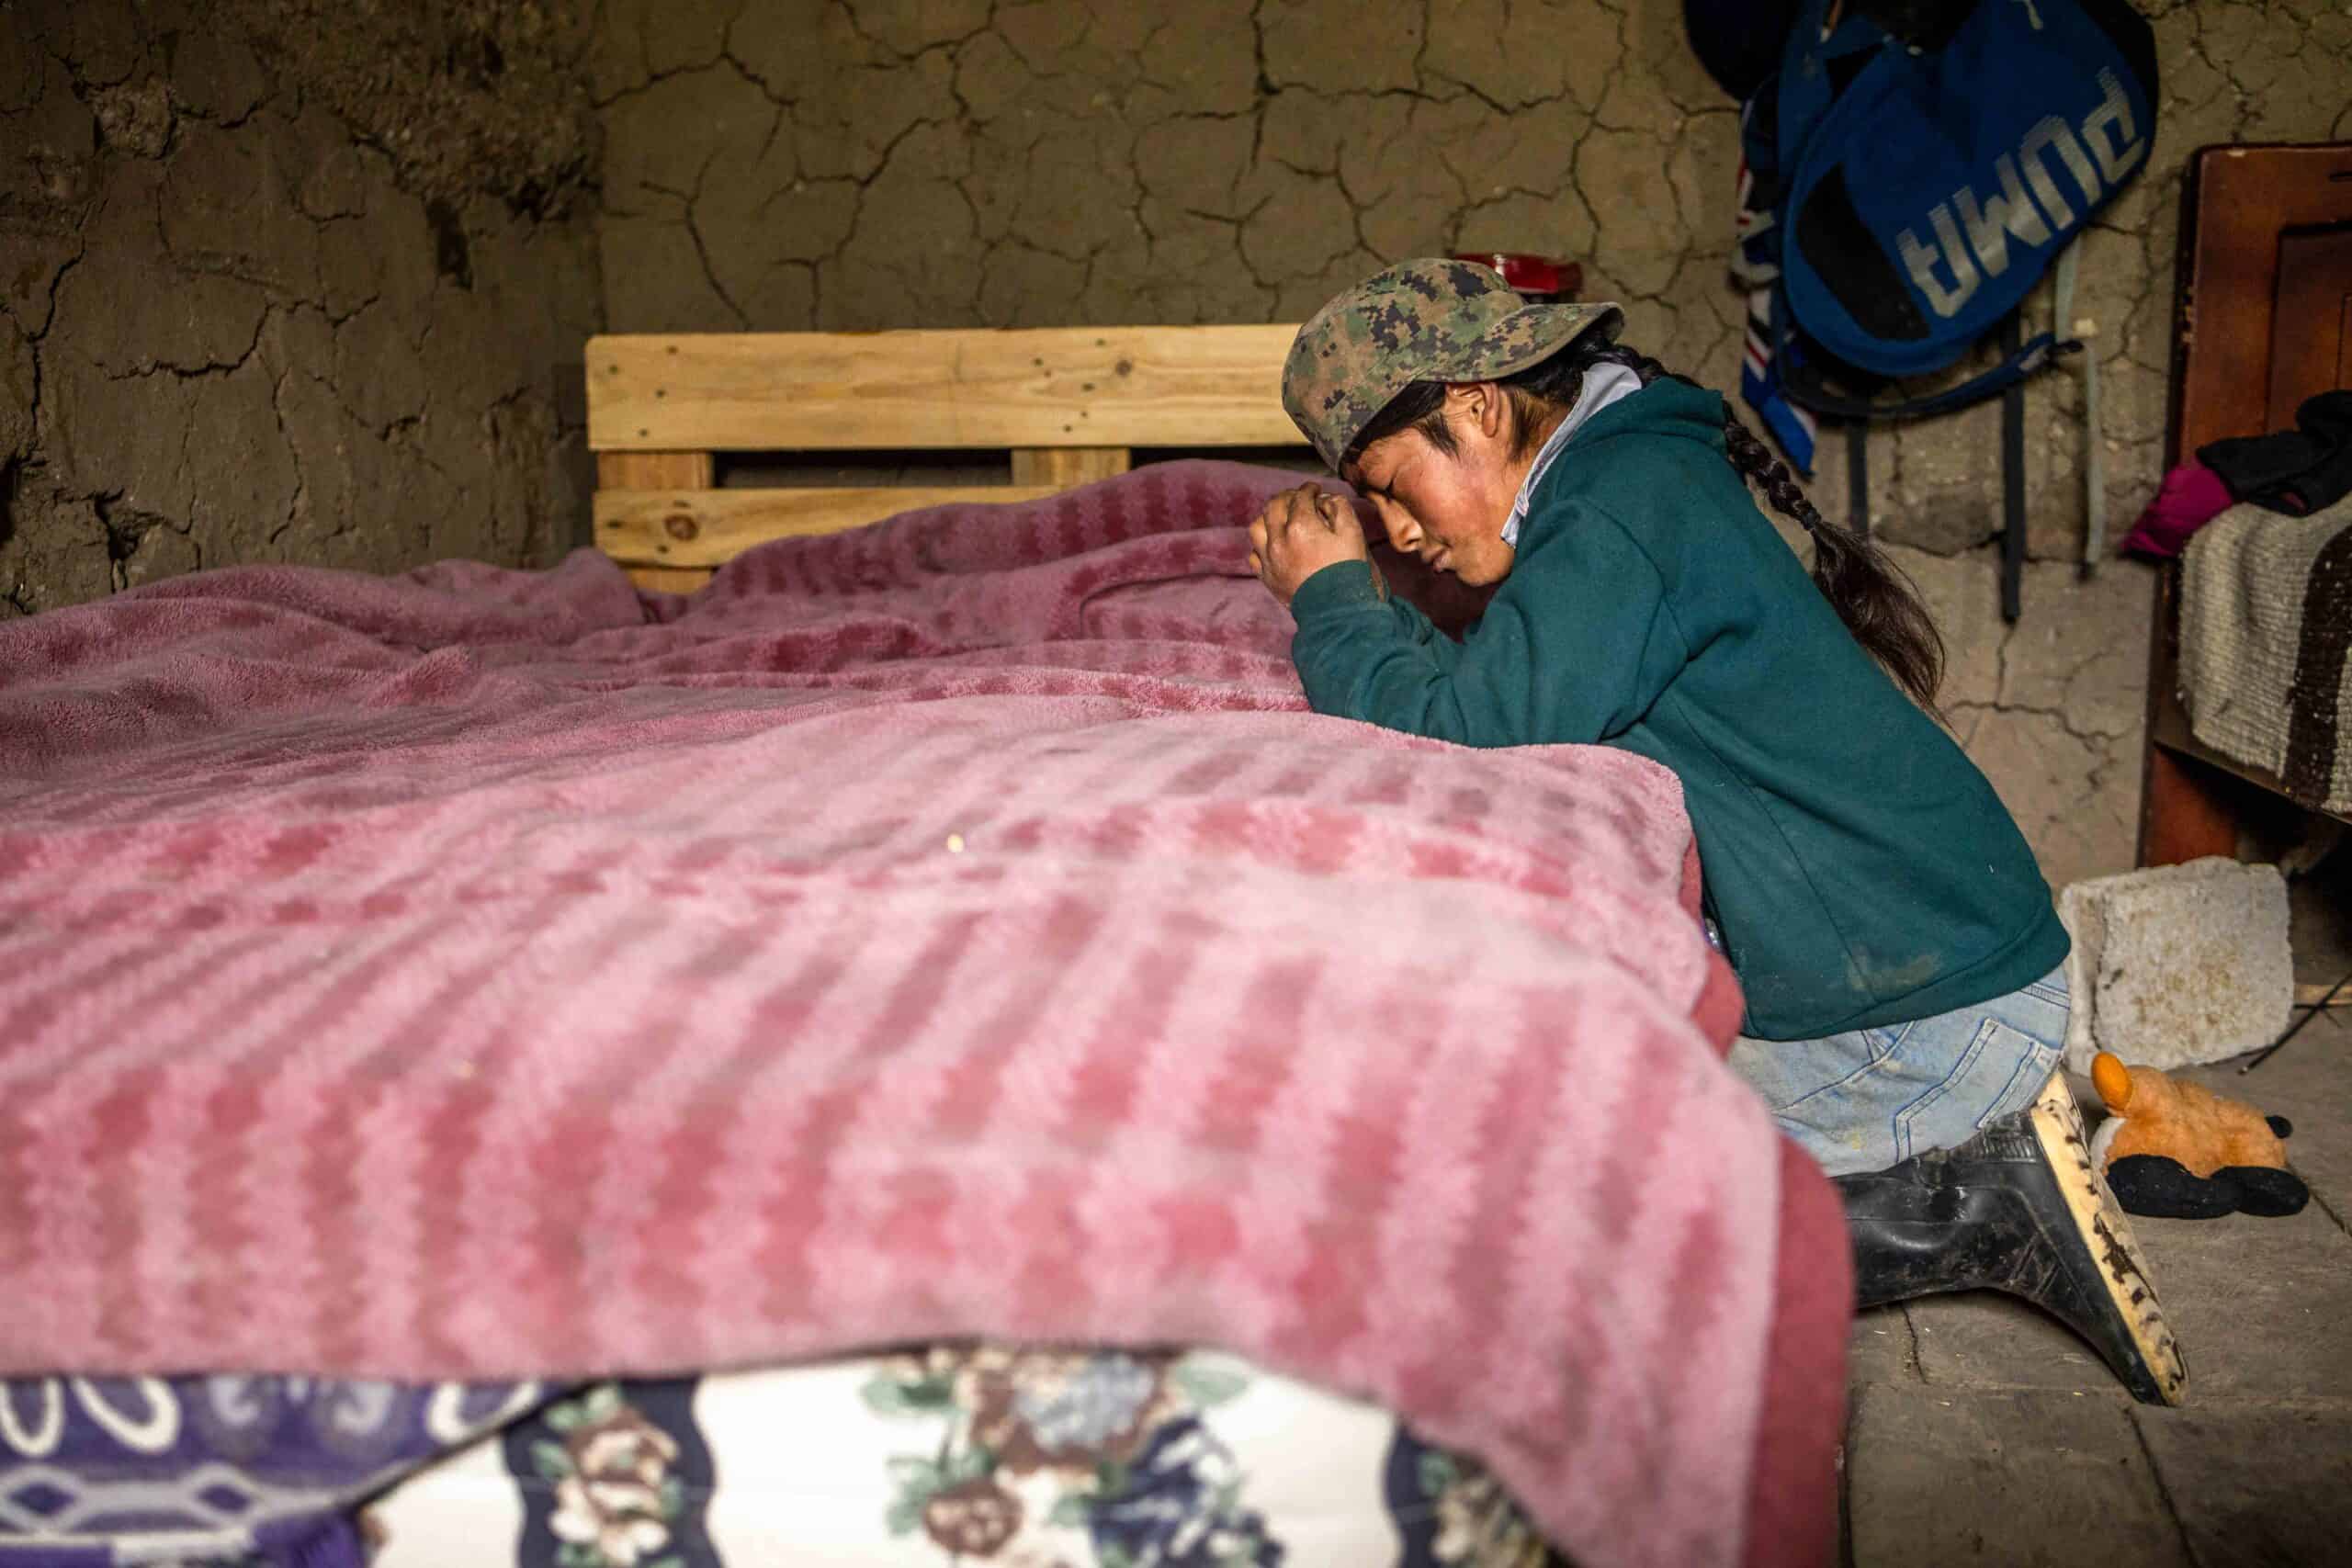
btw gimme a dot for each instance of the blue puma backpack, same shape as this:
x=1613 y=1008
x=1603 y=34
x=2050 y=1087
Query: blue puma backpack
x=1911 y=170
x=1927 y=180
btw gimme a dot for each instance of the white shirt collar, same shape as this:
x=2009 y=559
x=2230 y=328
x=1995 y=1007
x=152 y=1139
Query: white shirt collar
x=1603 y=385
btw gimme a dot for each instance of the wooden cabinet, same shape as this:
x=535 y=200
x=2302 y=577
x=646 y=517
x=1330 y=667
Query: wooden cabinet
x=2264 y=320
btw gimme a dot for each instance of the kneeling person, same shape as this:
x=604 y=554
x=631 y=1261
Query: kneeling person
x=1896 y=941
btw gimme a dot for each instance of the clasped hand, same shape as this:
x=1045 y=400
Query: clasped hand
x=1301 y=532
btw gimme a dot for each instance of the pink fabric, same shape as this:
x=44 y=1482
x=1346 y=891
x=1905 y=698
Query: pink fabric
x=956 y=928
x=2190 y=496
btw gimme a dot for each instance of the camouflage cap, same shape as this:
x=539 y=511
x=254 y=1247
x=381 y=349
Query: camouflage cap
x=1420 y=321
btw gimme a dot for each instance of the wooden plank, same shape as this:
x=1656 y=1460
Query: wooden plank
x=654 y=470
x=1209 y=386
x=1061 y=467
x=2188 y=810
x=708 y=528
x=669 y=579
x=677 y=473
x=2315 y=994
x=2185 y=813
x=2239 y=200
x=2311 y=325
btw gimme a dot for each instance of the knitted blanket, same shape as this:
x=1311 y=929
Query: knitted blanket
x=2265 y=628
x=956 y=927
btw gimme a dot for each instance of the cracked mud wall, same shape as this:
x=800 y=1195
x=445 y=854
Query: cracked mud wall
x=286 y=281
x=869 y=164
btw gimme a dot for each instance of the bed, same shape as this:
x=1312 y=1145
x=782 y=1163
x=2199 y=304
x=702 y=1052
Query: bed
x=2244 y=715
x=866 y=1023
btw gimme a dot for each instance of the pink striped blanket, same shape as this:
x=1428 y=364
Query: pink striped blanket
x=956 y=927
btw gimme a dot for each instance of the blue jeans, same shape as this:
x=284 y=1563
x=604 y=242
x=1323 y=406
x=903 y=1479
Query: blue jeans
x=1868 y=1098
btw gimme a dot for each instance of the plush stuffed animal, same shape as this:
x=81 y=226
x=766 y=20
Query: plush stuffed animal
x=2183 y=1152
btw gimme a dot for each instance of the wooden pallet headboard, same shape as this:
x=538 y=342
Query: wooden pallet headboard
x=1067 y=405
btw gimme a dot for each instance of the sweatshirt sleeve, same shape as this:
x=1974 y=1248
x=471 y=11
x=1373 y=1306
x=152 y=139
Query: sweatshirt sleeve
x=1354 y=586
x=1574 y=647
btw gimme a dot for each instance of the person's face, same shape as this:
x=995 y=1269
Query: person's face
x=1448 y=508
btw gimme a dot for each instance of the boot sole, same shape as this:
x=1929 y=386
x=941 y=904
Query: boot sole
x=2107 y=1234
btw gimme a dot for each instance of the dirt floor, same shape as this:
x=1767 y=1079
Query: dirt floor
x=1980 y=1432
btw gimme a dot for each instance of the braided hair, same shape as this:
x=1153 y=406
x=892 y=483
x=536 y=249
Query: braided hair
x=1874 y=597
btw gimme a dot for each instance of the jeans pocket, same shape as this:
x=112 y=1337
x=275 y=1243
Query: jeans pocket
x=1995 y=1069
x=2034 y=1062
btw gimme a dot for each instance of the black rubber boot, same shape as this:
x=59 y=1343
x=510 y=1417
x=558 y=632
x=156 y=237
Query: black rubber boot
x=2019 y=1208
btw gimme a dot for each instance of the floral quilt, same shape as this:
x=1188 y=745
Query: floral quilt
x=957 y=1454
x=972 y=1454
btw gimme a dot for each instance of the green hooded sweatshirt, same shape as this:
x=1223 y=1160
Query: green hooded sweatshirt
x=1861 y=869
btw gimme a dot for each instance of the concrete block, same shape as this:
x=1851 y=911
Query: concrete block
x=2178 y=965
